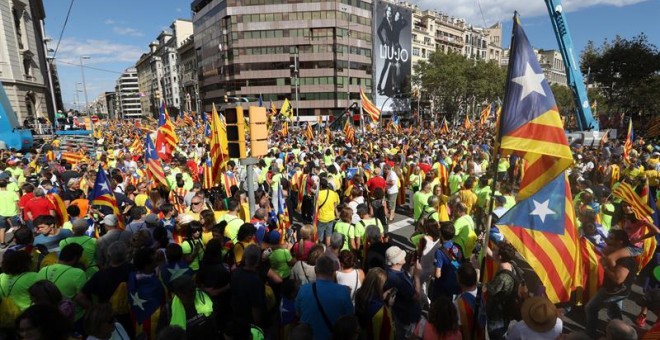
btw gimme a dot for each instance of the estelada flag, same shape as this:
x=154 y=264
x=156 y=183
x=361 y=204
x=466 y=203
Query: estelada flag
x=542 y=229
x=154 y=167
x=530 y=123
x=103 y=195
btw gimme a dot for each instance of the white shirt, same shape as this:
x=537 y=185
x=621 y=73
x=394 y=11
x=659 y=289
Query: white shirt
x=391 y=176
x=521 y=331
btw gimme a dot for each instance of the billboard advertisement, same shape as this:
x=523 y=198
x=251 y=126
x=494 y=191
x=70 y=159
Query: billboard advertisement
x=392 y=57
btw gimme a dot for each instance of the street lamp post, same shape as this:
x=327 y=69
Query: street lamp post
x=295 y=79
x=78 y=97
x=82 y=70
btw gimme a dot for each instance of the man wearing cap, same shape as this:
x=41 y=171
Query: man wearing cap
x=617 y=283
x=407 y=309
x=540 y=321
x=112 y=234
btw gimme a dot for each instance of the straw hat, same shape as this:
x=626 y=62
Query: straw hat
x=539 y=314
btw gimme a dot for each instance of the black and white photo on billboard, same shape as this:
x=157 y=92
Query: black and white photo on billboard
x=392 y=58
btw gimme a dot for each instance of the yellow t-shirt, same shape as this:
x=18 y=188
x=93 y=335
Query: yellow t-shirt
x=327 y=209
x=141 y=199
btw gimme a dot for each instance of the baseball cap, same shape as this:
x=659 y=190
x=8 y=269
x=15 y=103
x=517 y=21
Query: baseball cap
x=274 y=237
x=110 y=220
x=151 y=219
x=395 y=255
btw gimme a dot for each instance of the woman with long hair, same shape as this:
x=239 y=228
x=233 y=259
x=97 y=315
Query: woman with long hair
x=637 y=229
x=372 y=306
x=442 y=322
x=303 y=246
x=193 y=247
x=207 y=219
x=347 y=274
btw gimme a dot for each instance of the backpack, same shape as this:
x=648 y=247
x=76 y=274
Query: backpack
x=508 y=303
x=419 y=224
x=9 y=310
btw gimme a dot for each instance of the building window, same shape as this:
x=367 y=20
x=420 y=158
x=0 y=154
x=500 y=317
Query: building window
x=416 y=51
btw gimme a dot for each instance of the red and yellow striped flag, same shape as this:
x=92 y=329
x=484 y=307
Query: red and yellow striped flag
x=369 y=107
x=467 y=124
x=73 y=157
x=309 y=133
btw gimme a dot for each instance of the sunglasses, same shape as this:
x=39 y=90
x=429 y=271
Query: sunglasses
x=195 y=203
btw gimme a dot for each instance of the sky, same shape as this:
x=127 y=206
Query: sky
x=114 y=34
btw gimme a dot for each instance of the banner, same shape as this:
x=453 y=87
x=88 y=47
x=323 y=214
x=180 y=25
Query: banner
x=392 y=57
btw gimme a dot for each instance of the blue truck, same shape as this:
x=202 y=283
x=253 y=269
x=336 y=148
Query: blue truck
x=12 y=136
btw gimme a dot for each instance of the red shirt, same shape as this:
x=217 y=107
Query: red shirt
x=376 y=182
x=22 y=201
x=38 y=206
x=424 y=167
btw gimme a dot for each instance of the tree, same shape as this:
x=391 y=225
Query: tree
x=626 y=72
x=453 y=81
x=564 y=99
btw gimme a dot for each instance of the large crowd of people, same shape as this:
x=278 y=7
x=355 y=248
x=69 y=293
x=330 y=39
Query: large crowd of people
x=313 y=258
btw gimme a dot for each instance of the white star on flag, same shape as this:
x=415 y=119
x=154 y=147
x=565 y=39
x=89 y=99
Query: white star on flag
x=530 y=82
x=176 y=271
x=137 y=302
x=542 y=210
x=104 y=186
x=149 y=149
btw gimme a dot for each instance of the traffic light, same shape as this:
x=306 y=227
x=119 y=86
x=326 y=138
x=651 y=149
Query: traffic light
x=258 y=131
x=235 y=132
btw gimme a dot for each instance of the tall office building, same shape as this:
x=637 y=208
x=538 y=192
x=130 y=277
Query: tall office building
x=127 y=95
x=158 y=69
x=248 y=48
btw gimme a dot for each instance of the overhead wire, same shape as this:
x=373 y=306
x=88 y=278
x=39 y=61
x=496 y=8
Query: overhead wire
x=66 y=20
x=89 y=67
x=482 y=13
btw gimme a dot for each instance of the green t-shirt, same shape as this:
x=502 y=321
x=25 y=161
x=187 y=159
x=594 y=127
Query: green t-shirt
x=8 y=203
x=420 y=200
x=279 y=261
x=455 y=182
x=510 y=201
x=606 y=218
x=431 y=214
x=89 y=248
x=503 y=165
x=275 y=182
x=187 y=248
x=69 y=280
x=16 y=286
x=233 y=224
x=347 y=230
x=483 y=194
x=465 y=236
x=415 y=181
x=361 y=226
x=18 y=174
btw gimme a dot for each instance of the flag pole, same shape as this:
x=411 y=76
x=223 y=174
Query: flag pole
x=362 y=122
x=491 y=204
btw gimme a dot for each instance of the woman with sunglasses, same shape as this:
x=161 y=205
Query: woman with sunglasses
x=192 y=246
